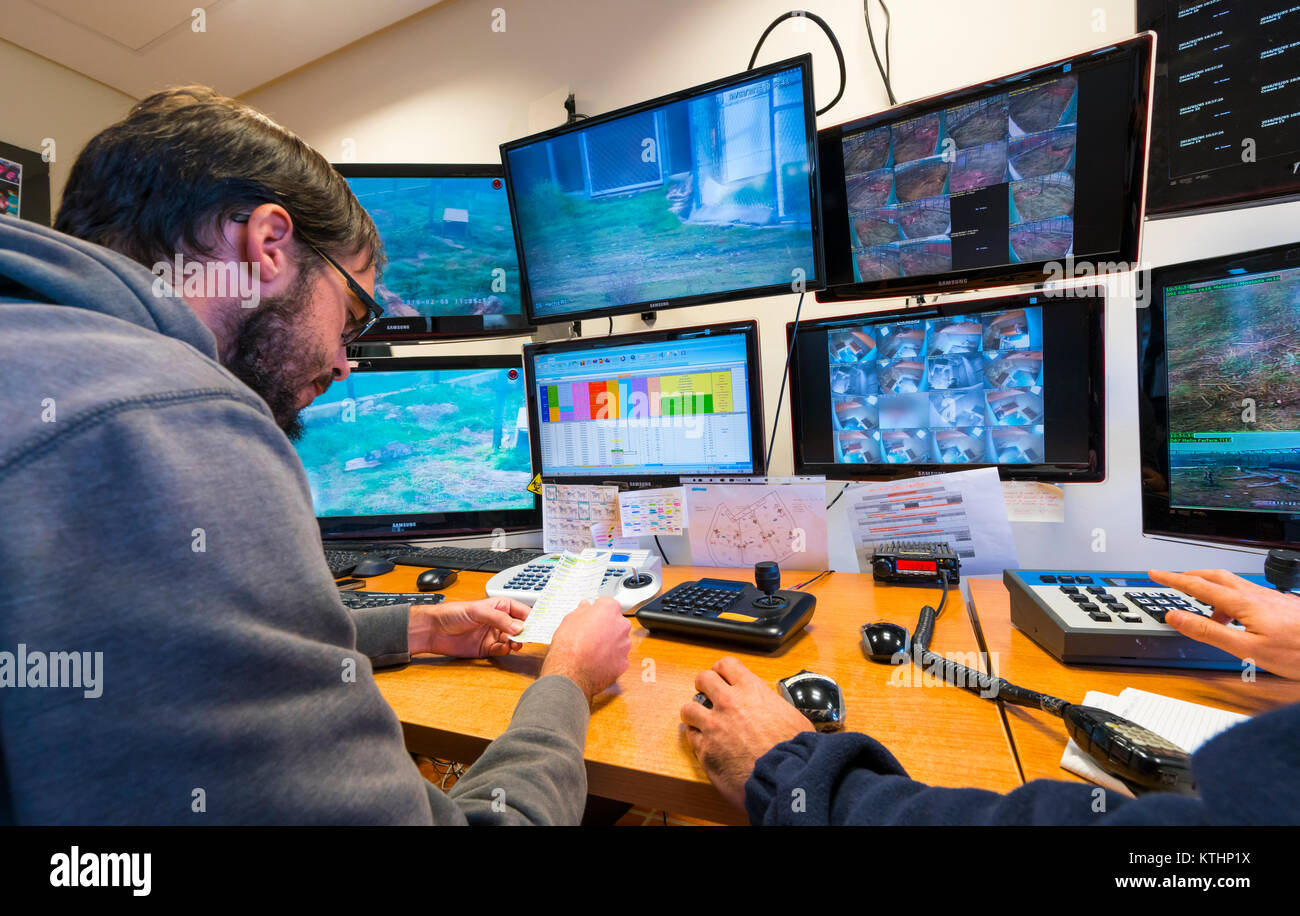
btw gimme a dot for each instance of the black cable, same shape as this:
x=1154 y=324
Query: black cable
x=663 y=556
x=838 y=495
x=785 y=374
x=835 y=43
x=801 y=585
x=886 y=68
x=611 y=326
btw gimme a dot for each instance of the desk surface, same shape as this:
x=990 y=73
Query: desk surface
x=1040 y=739
x=637 y=750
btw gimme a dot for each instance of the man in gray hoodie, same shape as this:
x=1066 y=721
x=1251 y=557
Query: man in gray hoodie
x=172 y=646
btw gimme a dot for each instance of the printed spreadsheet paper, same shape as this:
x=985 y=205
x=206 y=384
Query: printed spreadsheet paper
x=661 y=511
x=575 y=579
x=965 y=510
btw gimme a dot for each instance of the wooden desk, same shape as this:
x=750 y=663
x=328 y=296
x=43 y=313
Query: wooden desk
x=637 y=749
x=1040 y=739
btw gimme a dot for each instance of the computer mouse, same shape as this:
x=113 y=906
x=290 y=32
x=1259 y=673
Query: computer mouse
x=435 y=579
x=886 y=643
x=817 y=697
x=372 y=566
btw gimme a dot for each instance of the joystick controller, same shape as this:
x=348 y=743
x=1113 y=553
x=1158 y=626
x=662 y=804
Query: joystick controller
x=767 y=576
x=1282 y=569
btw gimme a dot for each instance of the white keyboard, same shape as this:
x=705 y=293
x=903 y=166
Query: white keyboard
x=524 y=583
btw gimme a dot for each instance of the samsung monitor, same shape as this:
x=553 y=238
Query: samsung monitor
x=1219 y=399
x=419 y=447
x=451 y=268
x=1032 y=177
x=1226 y=123
x=647 y=408
x=705 y=195
x=1014 y=382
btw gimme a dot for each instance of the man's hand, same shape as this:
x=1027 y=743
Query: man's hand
x=467 y=629
x=590 y=646
x=747 y=720
x=1272 y=619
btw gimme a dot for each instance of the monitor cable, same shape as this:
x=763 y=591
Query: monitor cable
x=886 y=68
x=835 y=43
x=785 y=374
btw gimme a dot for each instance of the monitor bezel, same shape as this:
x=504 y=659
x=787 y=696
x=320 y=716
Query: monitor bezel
x=436 y=327
x=423 y=525
x=1160 y=519
x=838 y=254
x=803 y=61
x=1095 y=296
x=753 y=381
x=1246 y=184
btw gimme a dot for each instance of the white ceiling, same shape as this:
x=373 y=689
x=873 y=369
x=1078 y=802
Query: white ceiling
x=138 y=46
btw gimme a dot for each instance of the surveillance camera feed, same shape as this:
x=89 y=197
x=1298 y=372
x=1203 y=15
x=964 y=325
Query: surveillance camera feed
x=966 y=389
x=418 y=441
x=1234 y=391
x=987 y=183
x=449 y=244
x=698 y=199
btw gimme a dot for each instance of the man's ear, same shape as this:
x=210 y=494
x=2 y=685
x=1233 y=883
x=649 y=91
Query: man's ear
x=268 y=242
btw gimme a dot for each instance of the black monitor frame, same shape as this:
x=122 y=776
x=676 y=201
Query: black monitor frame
x=1224 y=526
x=433 y=524
x=810 y=126
x=1265 y=181
x=1094 y=472
x=753 y=382
x=1132 y=162
x=437 y=327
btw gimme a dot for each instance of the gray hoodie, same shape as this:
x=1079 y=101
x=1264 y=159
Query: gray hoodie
x=172 y=646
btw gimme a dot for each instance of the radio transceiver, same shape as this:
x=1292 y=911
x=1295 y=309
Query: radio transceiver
x=914 y=561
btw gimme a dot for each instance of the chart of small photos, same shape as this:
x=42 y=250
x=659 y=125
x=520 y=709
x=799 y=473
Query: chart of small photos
x=965 y=389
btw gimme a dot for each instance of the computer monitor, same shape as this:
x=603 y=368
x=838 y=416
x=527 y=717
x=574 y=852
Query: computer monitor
x=647 y=408
x=1015 y=382
x=452 y=269
x=1219 y=399
x=421 y=446
x=705 y=195
x=1225 y=126
x=1031 y=177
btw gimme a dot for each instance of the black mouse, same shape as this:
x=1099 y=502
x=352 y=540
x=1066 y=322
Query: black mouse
x=435 y=579
x=886 y=643
x=817 y=697
x=372 y=566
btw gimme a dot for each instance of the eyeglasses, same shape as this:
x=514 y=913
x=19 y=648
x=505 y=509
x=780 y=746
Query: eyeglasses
x=357 y=325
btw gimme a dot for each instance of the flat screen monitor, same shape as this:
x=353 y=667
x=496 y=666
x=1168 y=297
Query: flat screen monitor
x=421 y=446
x=1015 y=382
x=452 y=269
x=1031 y=177
x=647 y=408
x=705 y=195
x=1226 y=121
x=1219 y=399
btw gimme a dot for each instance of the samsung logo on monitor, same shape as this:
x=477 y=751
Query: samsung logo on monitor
x=958 y=282
x=398 y=526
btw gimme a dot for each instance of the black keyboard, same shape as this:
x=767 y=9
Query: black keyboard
x=341 y=562
x=476 y=559
x=357 y=600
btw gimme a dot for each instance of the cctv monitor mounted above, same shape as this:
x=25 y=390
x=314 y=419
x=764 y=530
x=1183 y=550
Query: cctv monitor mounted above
x=647 y=408
x=1219 y=399
x=452 y=270
x=1225 y=127
x=420 y=447
x=706 y=195
x=1029 y=178
x=1015 y=382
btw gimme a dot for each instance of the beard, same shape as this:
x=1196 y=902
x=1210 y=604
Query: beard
x=268 y=354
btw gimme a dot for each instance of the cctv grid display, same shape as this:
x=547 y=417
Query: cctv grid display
x=990 y=186
x=991 y=386
x=700 y=197
x=670 y=406
x=405 y=445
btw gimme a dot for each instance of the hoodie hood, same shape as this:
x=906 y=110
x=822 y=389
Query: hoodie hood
x=38 y=264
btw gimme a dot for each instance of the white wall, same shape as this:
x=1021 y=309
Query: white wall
x=444 y=87
x=44 y=99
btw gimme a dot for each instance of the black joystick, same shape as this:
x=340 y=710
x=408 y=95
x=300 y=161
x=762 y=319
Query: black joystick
x=767 y=576
x=1282 y=568
x=637 y=580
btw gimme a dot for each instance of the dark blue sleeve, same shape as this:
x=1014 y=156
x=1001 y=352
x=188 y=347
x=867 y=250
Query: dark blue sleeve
x=1249 y=774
